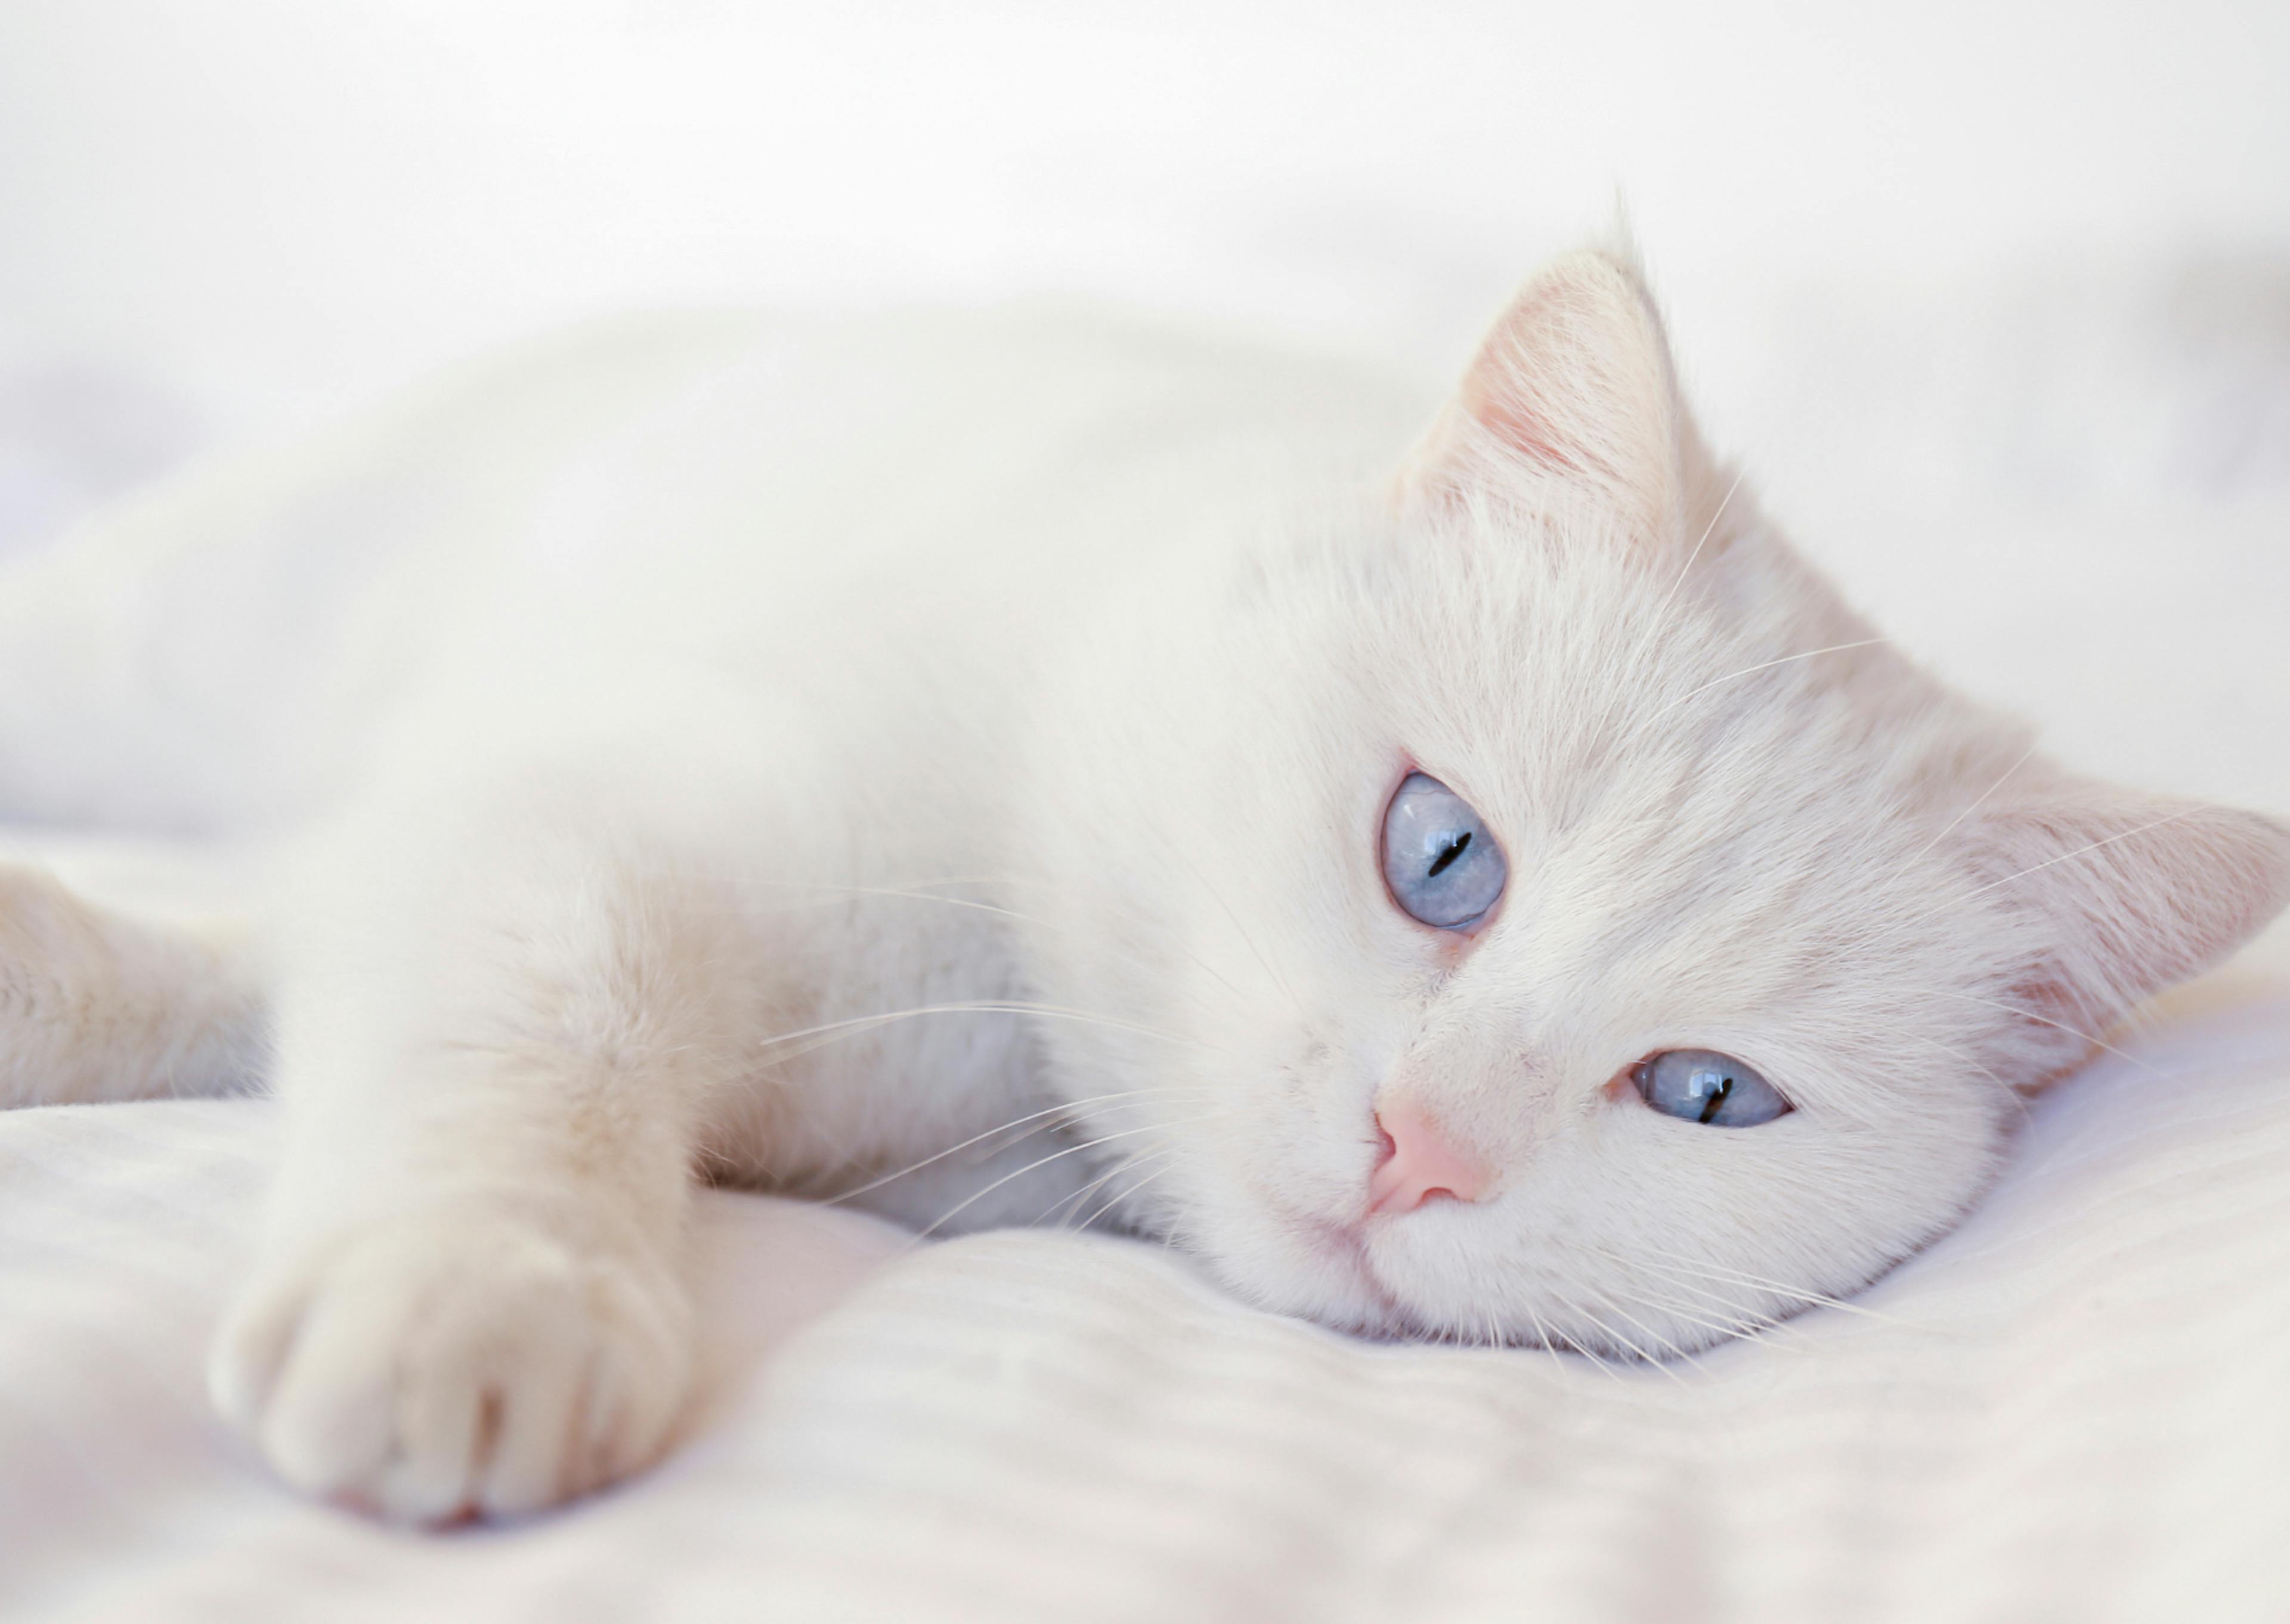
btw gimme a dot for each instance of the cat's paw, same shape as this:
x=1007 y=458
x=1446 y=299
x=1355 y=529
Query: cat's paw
x=456 y=1364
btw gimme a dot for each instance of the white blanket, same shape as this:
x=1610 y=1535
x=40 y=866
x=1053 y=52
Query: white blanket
x=2074 y=1408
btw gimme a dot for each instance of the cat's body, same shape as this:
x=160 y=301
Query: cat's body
x=796 y=752
x=676 y=539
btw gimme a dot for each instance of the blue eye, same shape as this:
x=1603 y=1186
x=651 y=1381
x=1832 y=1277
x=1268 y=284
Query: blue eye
x=1701 y=1085
x=1442 y=865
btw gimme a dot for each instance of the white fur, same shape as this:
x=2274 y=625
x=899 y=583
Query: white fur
x=689 y=687
x=97 y=1005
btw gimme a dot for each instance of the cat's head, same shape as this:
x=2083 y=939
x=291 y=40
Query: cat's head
x=1531 y=907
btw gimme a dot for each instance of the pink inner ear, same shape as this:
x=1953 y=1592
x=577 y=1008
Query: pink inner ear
x=1574 y=381
x=1507 y=392
x=1516 y=425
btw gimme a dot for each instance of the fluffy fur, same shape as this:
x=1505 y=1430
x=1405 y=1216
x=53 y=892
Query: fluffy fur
x=800 y=754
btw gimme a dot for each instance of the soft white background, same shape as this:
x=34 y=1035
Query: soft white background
x=1995 y=291
x=317 y=196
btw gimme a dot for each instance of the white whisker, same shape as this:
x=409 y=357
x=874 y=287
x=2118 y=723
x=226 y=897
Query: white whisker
x=969 y=1006
x=1550 y=1340
x=2083 y=850
x=1716 y=1273
x=1708 y=531
x=1895 y=926
x=1834 y=648
x=1759 y=1328
x=1615 y=1337
x=1659 y=622
x=1131 y=1192
x=2020 y=1010
x=1676 y=1349
x=1076 y=1197
x=1949 y=827
x=1247 y=940
x=1607 y=1300
x=1056 y=1156
x=1032 y=1116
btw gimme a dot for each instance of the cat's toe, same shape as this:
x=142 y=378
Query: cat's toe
x=441 y=1368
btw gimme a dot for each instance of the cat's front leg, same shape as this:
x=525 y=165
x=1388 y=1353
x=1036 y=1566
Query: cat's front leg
x=471 y=1297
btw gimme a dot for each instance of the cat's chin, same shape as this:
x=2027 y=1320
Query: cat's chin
x=1326 y=1271
x=1318 y=1269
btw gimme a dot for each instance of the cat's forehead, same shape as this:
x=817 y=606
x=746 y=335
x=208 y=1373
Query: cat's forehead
x=1655 y=761
x=1566 y=683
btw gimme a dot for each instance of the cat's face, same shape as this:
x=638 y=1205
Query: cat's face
x=1391 y=1079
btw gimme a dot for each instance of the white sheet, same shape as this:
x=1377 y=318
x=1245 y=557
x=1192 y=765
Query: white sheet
x=2073 y=1408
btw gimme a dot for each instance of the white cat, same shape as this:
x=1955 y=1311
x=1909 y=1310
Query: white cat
x=1496 y=892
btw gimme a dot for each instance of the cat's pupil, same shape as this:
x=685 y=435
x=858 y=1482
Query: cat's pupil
x=1451 y=853
x=1717 y=1100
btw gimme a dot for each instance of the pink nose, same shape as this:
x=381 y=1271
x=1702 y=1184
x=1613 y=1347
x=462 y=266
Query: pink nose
x=1419 y=1162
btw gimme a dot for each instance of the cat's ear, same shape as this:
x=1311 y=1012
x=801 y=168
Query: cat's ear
x=2126 y=894
x=1574 y=380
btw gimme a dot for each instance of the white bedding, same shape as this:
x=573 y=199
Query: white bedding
x=2073 y=1408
